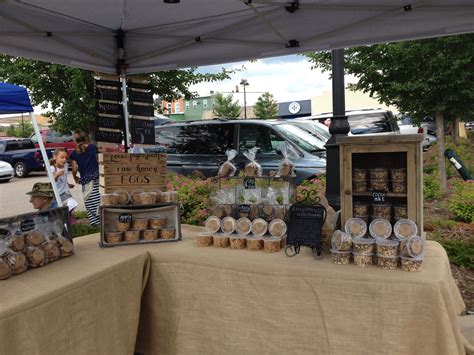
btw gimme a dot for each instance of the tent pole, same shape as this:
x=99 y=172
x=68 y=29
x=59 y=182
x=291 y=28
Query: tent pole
x=123 y=78
x=46 y=160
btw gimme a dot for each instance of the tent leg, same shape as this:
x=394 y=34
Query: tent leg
x=123 y=78
x=46 y=160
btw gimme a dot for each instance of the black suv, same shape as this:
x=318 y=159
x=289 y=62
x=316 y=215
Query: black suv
x=201 y=145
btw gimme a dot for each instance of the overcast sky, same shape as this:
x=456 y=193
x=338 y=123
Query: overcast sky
x=288 y=78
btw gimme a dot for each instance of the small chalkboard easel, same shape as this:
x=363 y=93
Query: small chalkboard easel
x=305 y=224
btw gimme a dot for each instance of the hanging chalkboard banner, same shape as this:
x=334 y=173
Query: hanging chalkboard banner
x=111 y=83
x=109 y=108
x=108 y=94
x=143 y=131
x=109 y=122
x=108 y=136
x=305 y=223
x=140 y=96
x=142 y=110
x=141 y=86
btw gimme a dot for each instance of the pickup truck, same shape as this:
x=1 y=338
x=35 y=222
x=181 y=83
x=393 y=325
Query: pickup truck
x=53 y=139
x=22 y=155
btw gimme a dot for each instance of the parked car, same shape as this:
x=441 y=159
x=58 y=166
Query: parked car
x=470 y=125
x=22 y=155
x=53 y=139
x=406 y=125
x=201 y=145
x=366 y=121
x=319 y=130
x=6 y=171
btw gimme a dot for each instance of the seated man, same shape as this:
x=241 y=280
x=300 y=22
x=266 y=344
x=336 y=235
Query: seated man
x=41 y=196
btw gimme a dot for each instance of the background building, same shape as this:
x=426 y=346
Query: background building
x=355 y=100
x=293 y=109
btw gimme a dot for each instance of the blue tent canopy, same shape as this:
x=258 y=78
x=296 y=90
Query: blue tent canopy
x=14 y=99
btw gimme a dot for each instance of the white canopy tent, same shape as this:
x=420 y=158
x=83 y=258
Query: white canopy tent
x=140 y=36
x=160 y=36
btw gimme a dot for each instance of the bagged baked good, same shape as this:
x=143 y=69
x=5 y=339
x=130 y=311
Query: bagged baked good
x=252 y=168
x=51 y=249
x=36 y=257
x=34 y=238
x=5 y=270
x=286 y=165
x=65 y=246
x=16 y=242
x=228 y=169
x=17 y=262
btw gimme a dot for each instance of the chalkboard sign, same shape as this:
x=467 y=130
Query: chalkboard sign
x=141 y=86
x=108 y=136
x=109 y=122
x=108 y=94
x=305 y=224
x=378 y=196
x=140 y=96
x=108 y=83
x=249 y=183
x=143 y=131
x=140 y=110
x=108 y=108
x=125 y=218
x=27 y=225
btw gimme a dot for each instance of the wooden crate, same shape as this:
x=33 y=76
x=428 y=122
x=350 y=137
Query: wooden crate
x=385 y=151
x=125 y=171
x=110 y=214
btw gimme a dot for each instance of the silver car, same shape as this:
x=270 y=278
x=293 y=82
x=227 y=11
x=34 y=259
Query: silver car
x=6 y=171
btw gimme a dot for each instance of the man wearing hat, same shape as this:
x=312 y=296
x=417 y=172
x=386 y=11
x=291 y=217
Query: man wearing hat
x=41 y=196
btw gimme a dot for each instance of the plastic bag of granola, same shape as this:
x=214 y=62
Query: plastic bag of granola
x=252 y=168
x=286 y=165
x=228 y=169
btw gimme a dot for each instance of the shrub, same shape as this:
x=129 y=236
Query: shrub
x=78 y=230
x=193 y=193
x=460 y=254
x=431 y=187
x=461 y=201
x=318 y=184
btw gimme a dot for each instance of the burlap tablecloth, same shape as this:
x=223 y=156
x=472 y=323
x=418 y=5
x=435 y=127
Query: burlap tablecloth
x=222 y=301
x=205 y=300
x=88 y=303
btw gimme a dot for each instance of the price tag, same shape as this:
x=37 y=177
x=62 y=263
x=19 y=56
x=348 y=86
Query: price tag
x=249 y=183
x=125 y=218
x=27 y=225
x=378 y=196
x=244 y=209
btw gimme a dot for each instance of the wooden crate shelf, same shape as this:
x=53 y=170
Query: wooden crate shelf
x=386 y=152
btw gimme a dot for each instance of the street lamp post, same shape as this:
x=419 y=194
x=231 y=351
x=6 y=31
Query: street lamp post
x=245 y=83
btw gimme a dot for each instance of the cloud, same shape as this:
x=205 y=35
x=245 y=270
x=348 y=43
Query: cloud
x=288 y=78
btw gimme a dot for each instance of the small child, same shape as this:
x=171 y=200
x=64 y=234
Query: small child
x=59 y=167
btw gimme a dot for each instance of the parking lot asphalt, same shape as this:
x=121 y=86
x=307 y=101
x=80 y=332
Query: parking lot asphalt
x=13 y=200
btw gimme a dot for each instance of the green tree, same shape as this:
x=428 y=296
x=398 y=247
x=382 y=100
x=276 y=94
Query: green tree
x=266 y=107
x=225 y=106
x=23 y=130
x=68 y=93
x=431 y=77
